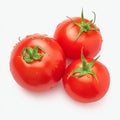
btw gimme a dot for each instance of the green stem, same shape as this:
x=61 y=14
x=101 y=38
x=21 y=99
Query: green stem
x=84 y=27
x=85 y=69
x=31 y=54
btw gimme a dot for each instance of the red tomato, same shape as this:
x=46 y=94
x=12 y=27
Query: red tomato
x=74 y=33
x=37 y=62
x=86 y=80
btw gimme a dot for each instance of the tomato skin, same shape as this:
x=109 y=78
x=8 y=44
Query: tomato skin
x=38 y=75
x=86 y=88
x=66 y=33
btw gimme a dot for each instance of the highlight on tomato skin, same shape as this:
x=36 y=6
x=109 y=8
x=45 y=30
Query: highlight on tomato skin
x=37 y=63
x=77 y=32
x=86 y=80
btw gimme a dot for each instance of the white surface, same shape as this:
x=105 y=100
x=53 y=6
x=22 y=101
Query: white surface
x=19 y=18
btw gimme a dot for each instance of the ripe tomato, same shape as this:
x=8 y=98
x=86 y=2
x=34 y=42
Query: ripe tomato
x=74 y=33
x=37 y=62
x=86 y=80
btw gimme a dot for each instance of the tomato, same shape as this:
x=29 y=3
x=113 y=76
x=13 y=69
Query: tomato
x=37 y=62
x=77 y=32
x=86 y=80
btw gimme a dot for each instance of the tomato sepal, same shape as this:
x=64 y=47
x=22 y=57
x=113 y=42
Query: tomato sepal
x=85 y=69
x=30 y=54
x=84 y=27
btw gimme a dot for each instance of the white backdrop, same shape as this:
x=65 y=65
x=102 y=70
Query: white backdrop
x=19 y=18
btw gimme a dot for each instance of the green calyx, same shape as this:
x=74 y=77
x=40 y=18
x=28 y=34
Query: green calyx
x=84 y=27
x=85 y=69
x=32 y=54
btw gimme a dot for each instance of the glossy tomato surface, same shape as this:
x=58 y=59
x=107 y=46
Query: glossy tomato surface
x=42 y=74
x=86 y=88
x=66 y=34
